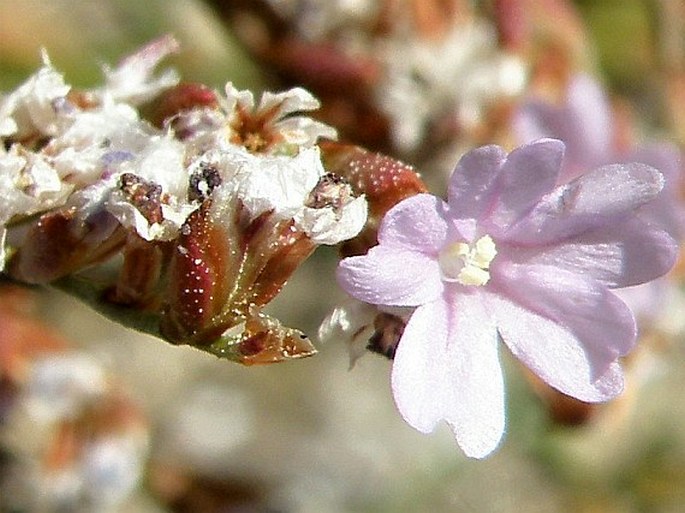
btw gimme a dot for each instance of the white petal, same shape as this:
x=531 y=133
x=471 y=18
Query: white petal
x=447 y=367
x=419 y=367
x=326 y=226
x=474 y=375
x=279 y=183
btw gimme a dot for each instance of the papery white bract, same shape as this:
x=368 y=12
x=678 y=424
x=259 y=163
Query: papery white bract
x=33 y=108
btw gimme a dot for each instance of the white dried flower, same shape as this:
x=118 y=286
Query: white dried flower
x=34 y=107
x=331 y=213
x=274 y=125
x=150 y=190
x=294 y=187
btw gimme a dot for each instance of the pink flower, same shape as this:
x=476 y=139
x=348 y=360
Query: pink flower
x=511 y=257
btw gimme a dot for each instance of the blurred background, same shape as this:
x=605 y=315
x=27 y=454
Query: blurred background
x=172 y=429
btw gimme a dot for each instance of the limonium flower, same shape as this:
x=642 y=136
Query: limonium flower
x=511 y=257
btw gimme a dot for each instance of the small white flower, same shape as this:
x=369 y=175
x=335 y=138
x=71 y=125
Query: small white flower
x=351 y=321
x=273 y=126
x=82 y=153
x=331 y=214
x=267 y=183
x=285 y=186
x=160 y=168
x=28 y=184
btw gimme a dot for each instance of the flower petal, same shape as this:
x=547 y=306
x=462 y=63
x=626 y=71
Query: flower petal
x=418 y=369
x=471 y=184
x=528 y=173
x=618 y=255
x=447 y=367
x=583 y=123
x=417 y=223
x=474 y=374
x=390 y=276
x=597 y=198
x=568 y=330
x=591 y=129
x=583 y=306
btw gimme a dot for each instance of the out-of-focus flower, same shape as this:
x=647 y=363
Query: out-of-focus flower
x=89 y=443
x=76 y=441
x=593 y=136
x=463 y=73
x=511 y=256
x=393 y=75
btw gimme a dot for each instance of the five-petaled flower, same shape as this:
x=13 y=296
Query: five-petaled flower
x=511 y=256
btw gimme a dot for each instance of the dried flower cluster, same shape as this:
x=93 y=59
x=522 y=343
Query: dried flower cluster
x=212 y=199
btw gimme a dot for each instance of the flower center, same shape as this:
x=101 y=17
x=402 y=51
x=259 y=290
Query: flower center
x=467 y=264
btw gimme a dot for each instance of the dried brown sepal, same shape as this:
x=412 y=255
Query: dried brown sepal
x=262 y=339
x=140 y=274
x=215 y=287
x=143 y=194
x=61 y=243
x=562 y=409
x=385 y=182
x=272 y=253
x=388 y=331
x=200 y=274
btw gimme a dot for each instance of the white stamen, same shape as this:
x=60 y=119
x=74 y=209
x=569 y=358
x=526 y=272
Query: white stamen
x=468 y=264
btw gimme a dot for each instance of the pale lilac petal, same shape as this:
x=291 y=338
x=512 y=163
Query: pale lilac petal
x=474 y=375
x=554 y=353
x=528 y=173
x=447 y=367
x=583 y=123
x=419 y=367
x=667 y=210
x=390 y=276
x=470 y=189
x=568 y=329
x=595 y=199
x=618 y=255
x=590 y=140
x=535 y=119
x=588 y=309
x=418 y=223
